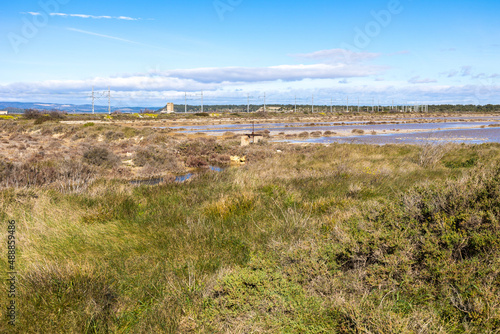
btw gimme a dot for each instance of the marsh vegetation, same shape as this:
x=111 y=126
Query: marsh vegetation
x=303 y=239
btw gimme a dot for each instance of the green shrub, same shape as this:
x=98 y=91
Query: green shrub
x=156 y=157
x=42 y=119
x=100 y=156
x=112 y=135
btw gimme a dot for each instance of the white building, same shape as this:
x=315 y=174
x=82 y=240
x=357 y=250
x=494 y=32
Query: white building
x=3 y=112
x=169 y=109
x=269 y=109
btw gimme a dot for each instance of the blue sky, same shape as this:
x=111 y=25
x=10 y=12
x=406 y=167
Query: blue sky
x=150 y=53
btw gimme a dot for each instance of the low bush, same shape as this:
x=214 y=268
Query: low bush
x=196 y=162
x=32 y=114
x=157 y=158
x=112 y=135
x=57 y=115
x=65 y=175
x=100 y=156
x=42 y=119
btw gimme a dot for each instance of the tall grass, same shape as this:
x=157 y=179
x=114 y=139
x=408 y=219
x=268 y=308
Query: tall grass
x=345 y=238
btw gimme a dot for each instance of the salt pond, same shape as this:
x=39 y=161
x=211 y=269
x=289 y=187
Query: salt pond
x=469 y=136
x=471 y=129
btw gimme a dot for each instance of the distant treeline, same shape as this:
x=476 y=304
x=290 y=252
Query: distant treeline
x=178 y=108
x=13 y=110
x=227 y=108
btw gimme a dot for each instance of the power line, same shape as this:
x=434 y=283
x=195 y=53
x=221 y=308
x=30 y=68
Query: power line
x=109 y=100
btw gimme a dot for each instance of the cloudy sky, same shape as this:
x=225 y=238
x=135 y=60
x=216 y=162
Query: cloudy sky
x=153 y=52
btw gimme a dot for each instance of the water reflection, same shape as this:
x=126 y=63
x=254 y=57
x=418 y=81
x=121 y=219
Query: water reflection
x=469 y=136
x=182 y=178
x=341 y=127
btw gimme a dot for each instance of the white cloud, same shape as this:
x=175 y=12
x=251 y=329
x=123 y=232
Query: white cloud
x=279 y=82
x=126 y=18
x=196 y=79
x=418 y=80
x=274 y=73
x=466 y=71
x=338 y=56
x=155 y=90
x=86 y=16
x=132 y=83
x=451 y=74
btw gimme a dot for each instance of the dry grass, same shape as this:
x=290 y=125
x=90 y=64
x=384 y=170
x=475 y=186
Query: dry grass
x=345 y=238
x=431 y=154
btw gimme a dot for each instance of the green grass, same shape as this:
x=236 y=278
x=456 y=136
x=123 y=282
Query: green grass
x=345 y=238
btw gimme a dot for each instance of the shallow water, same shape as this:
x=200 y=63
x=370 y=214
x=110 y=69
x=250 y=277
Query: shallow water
x=344 y=127
x=469 y=136
x=185 y=177
x=461 y=129
x=320 y=125
x=221 y=127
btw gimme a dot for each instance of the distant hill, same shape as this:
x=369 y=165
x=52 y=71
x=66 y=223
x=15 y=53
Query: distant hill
x=70 y=108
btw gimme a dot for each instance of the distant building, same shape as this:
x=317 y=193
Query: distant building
x=269 y=109
x=168 y=109
x=3 y=112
